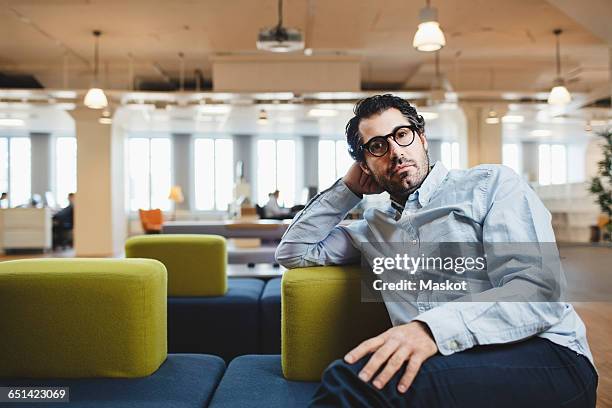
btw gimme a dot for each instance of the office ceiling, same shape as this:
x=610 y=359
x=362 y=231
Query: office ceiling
x=499 y=45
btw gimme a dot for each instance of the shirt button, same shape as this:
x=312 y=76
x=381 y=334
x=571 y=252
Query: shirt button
x=454 y=345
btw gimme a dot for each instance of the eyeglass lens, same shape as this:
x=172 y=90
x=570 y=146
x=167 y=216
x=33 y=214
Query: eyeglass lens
x=379 y=146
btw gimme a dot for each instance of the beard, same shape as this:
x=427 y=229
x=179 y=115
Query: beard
x=401 y=185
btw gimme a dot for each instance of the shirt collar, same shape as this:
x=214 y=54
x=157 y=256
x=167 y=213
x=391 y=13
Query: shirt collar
x=431 y=183
x=436 y=175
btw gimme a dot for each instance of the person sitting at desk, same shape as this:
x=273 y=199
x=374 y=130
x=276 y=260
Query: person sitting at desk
x=63 y=223
x=4 y=200
x=273 y=211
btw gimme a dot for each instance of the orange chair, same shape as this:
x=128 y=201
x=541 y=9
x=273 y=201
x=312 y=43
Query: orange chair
x=151 y=220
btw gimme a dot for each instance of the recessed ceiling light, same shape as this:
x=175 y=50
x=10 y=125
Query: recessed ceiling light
x=11 y=122
x=429 y=115
x=322 y=113
x=513 y=119
x=215 y=109
x=598 y=122
x=540 y=133
x=558 y=119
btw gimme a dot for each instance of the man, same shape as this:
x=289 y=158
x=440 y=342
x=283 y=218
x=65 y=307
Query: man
x=63 y=224
x=4 y=200
x=473 y=354
x=272 y=209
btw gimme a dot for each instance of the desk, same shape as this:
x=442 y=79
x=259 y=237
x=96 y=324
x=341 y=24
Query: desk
x=267 y=230
x=26 y=228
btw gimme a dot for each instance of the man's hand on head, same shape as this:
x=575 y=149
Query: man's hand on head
x=410 y=342
x=359 y=182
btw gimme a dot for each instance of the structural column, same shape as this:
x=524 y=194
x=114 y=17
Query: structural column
x=100 y=222
x=530 y=160
x=435 y=150
x=484 y=141
x=183 y=163
x=311 y=161
x=41 y=158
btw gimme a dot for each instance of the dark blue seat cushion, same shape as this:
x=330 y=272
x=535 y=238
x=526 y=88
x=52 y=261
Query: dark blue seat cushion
x=257 y=381
x=226 y=326
x=270 y=305
x=182 y=381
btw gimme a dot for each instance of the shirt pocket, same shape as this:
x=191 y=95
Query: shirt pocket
x=454 y=227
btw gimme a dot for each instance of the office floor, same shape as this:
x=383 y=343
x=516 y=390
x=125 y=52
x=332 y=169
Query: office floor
x=589 y=278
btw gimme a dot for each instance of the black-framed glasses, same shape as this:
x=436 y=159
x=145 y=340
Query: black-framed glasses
x=379 y=145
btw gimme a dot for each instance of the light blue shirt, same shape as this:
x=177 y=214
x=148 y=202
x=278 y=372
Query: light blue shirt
x=488 y=203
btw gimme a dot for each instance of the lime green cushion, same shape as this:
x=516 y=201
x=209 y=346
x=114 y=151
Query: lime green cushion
x=196 y=264
x=323 y=318
x=76 y=318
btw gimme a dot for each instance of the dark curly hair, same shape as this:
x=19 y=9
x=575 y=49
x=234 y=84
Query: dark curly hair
x=374 y=105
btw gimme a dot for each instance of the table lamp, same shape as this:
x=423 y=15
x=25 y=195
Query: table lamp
x=176 y=195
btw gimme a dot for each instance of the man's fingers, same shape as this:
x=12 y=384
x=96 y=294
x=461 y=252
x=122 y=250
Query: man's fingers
x=364 y=348
x=363 y=179
x=378 y=359
x=392 y=366
x=414 y=364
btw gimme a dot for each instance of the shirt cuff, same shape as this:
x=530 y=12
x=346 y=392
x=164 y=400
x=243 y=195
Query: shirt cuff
x=450 y=332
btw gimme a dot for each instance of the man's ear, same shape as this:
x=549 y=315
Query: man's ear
x=364 y=168
x=423 y=140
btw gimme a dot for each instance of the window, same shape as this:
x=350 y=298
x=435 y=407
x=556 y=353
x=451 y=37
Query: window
x=15 y=169
x=510 y=156
x=214 y=173
x=65 y=169
x=4 y=166
x=334 y=161
x=449 y=153
x=150 y=172
x=276 y=170
x=552 y=167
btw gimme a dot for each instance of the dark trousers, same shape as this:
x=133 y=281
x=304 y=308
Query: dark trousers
x=531 y=373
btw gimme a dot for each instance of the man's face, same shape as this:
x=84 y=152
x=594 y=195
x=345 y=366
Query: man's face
x=402 y=169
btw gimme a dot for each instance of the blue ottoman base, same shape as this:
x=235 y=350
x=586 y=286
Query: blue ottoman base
x=257 y=381
x=270 y=305
x=226 y=326
x=182 y=381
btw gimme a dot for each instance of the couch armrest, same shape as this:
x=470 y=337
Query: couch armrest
x=323 y=318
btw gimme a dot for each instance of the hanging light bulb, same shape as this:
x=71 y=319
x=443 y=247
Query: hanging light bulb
x=492 y=117
x=95 y=97
x=429 y=37
x=106 y=118
x=262 y=119
x=559 y=95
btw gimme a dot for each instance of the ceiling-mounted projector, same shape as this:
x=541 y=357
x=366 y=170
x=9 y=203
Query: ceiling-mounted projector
x=279 y=38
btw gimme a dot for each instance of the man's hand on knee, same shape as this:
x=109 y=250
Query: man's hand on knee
x=410 y=342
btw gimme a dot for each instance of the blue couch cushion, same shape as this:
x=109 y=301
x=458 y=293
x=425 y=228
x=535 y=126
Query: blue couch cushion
x=257 y=381
x=270 y=305
x=226 y=326
x=182 y=381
